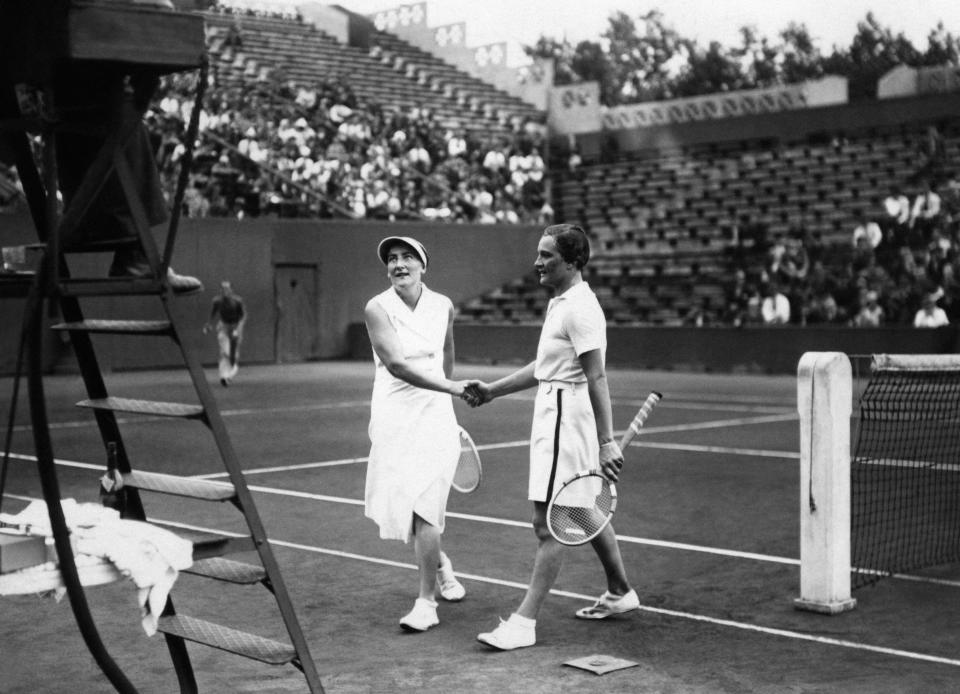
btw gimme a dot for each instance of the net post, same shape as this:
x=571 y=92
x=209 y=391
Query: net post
x=824 y=403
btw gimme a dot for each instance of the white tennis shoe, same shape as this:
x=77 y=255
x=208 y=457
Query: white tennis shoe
x=421 y=617
x=609 y=604
x=447 y=584
x=510 y=634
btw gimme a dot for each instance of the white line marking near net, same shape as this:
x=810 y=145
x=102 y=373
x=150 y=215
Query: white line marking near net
x=628 y=539
x=744 y=626
x=523 y=443
x=91 y=422
x=287 y=468
x=777 y=409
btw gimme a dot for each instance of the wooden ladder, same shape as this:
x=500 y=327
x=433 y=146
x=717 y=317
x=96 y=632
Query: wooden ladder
x=51 y=285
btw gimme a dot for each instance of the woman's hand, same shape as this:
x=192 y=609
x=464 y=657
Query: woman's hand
x=611 y=460
x=465 y=390
x=476 y=393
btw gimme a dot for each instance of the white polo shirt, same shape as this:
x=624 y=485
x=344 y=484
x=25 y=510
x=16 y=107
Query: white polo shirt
x=574 y=325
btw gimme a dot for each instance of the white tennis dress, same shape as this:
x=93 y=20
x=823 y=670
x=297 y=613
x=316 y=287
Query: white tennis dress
x=563 y=439
x=414 y=437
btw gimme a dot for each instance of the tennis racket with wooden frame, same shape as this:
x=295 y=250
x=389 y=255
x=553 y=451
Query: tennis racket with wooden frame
x=469 y=472
x=585 y=503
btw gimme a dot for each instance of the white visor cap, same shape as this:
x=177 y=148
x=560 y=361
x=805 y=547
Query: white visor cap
x=384 y=247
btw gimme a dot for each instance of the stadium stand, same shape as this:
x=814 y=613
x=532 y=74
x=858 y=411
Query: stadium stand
x=483 y=98
x=299 y=124
x=671 y=228
x=306 y=53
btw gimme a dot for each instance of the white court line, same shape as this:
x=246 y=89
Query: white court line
x=627 y=539
x=753 y=452
x=721 y=406
x=292 y=493
x=721 y=423
x=243 y=412
x=287 y=468
x=744 y=626
x=295 y=408
x=58 y=461
x=523 y=443
x=904 y=463
x=80 y=423
x=707 y=399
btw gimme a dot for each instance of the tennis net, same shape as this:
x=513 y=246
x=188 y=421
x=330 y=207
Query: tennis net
x=905 y=467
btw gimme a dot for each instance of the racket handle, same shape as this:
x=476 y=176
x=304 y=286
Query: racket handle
x=640 y=418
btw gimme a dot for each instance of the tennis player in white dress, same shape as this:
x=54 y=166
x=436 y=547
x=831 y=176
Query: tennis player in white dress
x=414 y=436
x=572 y=428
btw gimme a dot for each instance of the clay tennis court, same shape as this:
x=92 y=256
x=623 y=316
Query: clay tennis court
x=708 y=519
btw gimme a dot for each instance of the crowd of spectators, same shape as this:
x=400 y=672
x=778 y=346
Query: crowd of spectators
x=272 y=146
x=901 y=266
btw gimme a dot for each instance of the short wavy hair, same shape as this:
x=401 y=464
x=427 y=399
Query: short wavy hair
x=572 y=242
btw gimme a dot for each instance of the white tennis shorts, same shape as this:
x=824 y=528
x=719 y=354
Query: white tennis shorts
x=563 y=440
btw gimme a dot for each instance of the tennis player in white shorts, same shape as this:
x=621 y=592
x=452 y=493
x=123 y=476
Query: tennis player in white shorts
x=572 y=427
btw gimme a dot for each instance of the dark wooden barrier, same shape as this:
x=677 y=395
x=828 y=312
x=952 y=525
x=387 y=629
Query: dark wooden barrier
x=724 y=350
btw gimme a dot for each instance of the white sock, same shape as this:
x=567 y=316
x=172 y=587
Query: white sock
x=521 y=621
x=431 y=603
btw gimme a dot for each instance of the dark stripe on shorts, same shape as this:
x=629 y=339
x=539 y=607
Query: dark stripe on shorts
x=556 y=445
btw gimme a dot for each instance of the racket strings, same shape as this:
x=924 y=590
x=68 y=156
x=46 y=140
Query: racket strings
x=469 y=472
x=581 y=509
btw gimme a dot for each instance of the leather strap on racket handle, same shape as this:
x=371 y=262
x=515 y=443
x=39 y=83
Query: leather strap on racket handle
x=640 y=418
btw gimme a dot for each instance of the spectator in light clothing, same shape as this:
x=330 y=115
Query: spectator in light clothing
x=925 y=212
x=456 y=144
x=775 y=307
x=871 y=313
x=930 y=315
x=897 y=206
x=868 y=230
x=494 y=161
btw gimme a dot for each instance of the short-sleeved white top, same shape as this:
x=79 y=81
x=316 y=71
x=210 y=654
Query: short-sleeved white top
x=574 y=325
x=934 y=319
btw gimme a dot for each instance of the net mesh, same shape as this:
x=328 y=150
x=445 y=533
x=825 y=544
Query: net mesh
x=581 y=509
x=905 y=469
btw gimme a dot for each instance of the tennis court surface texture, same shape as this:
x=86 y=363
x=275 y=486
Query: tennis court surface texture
x=708 y=517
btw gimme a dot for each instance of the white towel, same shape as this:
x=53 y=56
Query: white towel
x=148 y=555
x=36 y=519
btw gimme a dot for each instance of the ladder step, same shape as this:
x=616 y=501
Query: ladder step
x=207 y=545
x=179 y=486
x=119 y=327
x=111 y=286
x=231 y=640
x=148 y=407
x=103 y=246
x=15 y=285
x=221 y=569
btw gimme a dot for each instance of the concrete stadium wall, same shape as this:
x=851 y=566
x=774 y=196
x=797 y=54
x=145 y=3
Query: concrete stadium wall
x=466 y=261
x=338 y=257
x=723 y=350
